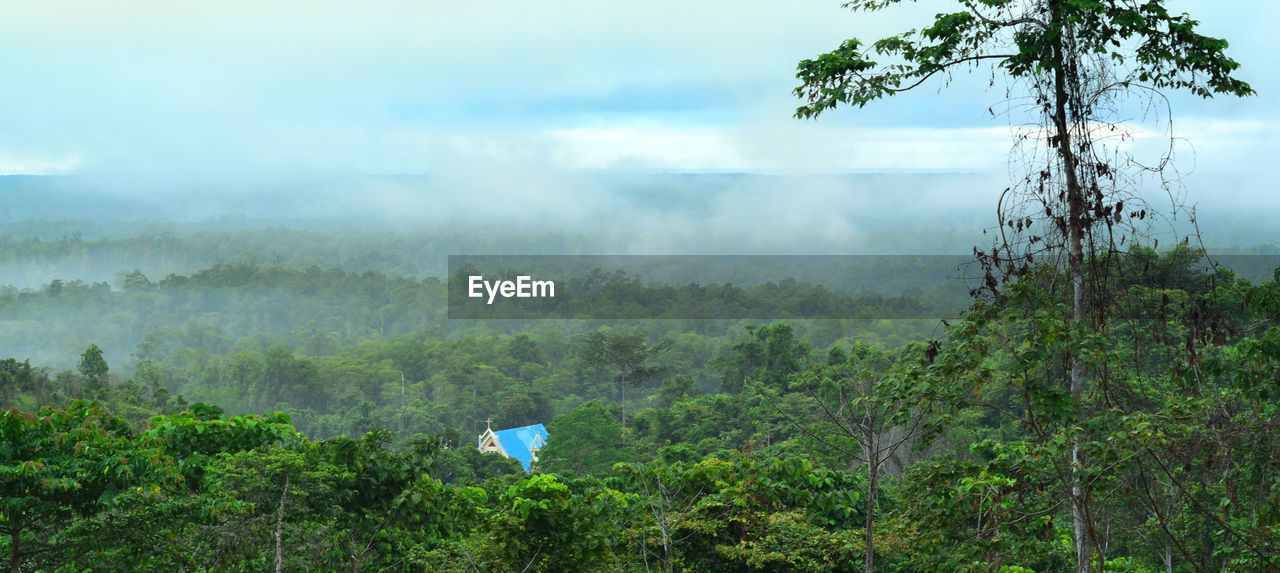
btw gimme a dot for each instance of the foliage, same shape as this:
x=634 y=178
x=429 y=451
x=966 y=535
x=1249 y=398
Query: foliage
x=1157 y=48
x=1179 y=432
x=627 y=355
x=543 y=524
x=777 y=515
x=588 y=440
x=62 y=466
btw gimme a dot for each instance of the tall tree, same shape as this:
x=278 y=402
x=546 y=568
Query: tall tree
x=860 y=407
x=628 y=354
x=1078 y=60
x=93 y=370
x=770 y=354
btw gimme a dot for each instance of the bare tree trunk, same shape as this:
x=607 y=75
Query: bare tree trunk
x=623 y=383
x=873 y=478
x=355 y=557
x=1075 y=228
x=280 y=527
x=15 y=561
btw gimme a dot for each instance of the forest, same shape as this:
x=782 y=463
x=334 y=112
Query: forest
x=327 y=439
x=250 y=353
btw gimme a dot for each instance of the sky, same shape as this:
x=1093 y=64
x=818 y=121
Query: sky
x=170 y=93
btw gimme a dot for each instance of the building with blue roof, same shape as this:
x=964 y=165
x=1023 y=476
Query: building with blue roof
x=522 y=443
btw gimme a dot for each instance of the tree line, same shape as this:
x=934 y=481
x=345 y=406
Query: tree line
x=936 y=455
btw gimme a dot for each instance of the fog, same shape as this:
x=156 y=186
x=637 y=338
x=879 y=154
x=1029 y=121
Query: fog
x=186 y=101
x=169 y=137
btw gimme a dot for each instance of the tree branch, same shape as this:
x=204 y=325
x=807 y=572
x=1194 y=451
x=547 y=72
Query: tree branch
x=943 y=67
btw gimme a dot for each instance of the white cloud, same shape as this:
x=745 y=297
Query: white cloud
x=644 y=147
x=239 y=90
x=21 y=162
x=779 y=147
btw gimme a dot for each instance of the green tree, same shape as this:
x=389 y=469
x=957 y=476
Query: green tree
x=587 y=440
x=771 y=353
x=544 y=524
x=628 y=355
x=1172 y=440
x=858 y=406
x=18 y=377
x=63 y=465
x=781 y=514
x=676 y=389
x=381 y=497
x=93 y=370
x=193 y=437
x=297 y=500
x=1078 y=59
x=150 y=377
x=467 y=466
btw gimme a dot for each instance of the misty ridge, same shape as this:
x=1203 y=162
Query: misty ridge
x=94 y=230
x=84 y=261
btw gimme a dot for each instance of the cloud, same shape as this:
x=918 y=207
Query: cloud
x=647 y=147
x=27 y=162
x=161 y=95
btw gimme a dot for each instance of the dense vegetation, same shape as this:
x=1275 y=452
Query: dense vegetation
x=741 y=446
x=289 y=399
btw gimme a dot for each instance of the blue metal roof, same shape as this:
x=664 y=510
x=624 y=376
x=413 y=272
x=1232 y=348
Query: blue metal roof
x=517 y=442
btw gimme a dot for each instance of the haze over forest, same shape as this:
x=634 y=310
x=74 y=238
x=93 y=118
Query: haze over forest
x=229 y=317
